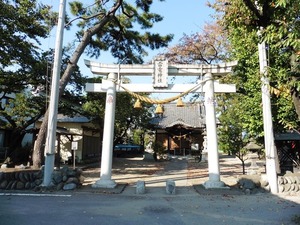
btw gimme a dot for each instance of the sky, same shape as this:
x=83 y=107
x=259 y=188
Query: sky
x=180 y=17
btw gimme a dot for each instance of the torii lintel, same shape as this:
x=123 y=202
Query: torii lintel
x=172 y=69
x=148 y=88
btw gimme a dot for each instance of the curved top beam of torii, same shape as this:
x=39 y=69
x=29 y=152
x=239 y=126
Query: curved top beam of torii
x=160 y=69
x=173 y=69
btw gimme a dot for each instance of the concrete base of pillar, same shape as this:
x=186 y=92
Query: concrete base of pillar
x=104 y=184
x=214 y=184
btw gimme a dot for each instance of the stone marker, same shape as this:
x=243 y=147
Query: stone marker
x=140 y=187
x=170 y=187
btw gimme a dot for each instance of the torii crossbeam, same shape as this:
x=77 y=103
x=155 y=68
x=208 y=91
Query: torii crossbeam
x=160 y=69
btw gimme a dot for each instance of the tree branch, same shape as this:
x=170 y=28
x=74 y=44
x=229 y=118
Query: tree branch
x=252 y=7
x=113 y=9
x=83 y=18
x=123 y=11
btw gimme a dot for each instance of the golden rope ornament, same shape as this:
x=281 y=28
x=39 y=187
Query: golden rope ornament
x=163 y=101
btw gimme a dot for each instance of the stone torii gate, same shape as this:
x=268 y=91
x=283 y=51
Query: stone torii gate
x=160 y=70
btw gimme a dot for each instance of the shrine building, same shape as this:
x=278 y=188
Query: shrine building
x=180 y=130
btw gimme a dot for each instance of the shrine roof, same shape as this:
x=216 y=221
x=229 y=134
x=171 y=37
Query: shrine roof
x=190 y=116
x=67 y=119
x=293 y=135
x=75 y=119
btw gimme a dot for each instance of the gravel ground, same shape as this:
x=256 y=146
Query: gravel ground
x=185 y=170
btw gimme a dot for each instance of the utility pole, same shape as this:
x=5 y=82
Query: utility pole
x=271 y=153
x=53 y=106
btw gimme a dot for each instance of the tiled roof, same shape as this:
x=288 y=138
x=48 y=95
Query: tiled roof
x=76 y=119
x=191 y=115
x=67 y=119
x=288 y=135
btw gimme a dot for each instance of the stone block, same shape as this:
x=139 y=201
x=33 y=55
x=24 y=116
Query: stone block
x=247 y=184
x=74 y=180
x=140 y=187
x=20 y=185
x=57 y=177
x=68 y=187
x=3 y=184
x=170 y=187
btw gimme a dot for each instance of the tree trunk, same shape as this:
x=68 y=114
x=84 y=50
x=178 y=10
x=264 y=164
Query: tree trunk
x=294 y=91
x=15 y=152
x=243 y=165
x=296 y=101
x=241 y=157
x=37 y=155
x=15 y=140
x=38 y=147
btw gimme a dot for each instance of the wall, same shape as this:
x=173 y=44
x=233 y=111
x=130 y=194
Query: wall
x=81 y=132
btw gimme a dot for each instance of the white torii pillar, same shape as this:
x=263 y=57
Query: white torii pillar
x=108 y=135
x=160 y=70
x=211 y=130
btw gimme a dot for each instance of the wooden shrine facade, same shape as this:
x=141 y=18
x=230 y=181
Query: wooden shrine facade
x=180 y=129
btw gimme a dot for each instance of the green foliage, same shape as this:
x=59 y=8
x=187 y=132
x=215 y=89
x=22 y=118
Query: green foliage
x=159 y=149
x=279 y=28
x=102 y=26
x=20 y=106
x=232 y=134
x=278 y=23
x=122 y=28
x=119 y=35
x=22 y=24
x=241 y=113
x=126 y=117
x=138 y=135
x=232 y=128
x=242 y=30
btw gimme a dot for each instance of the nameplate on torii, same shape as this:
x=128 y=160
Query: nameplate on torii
x=160 y=73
